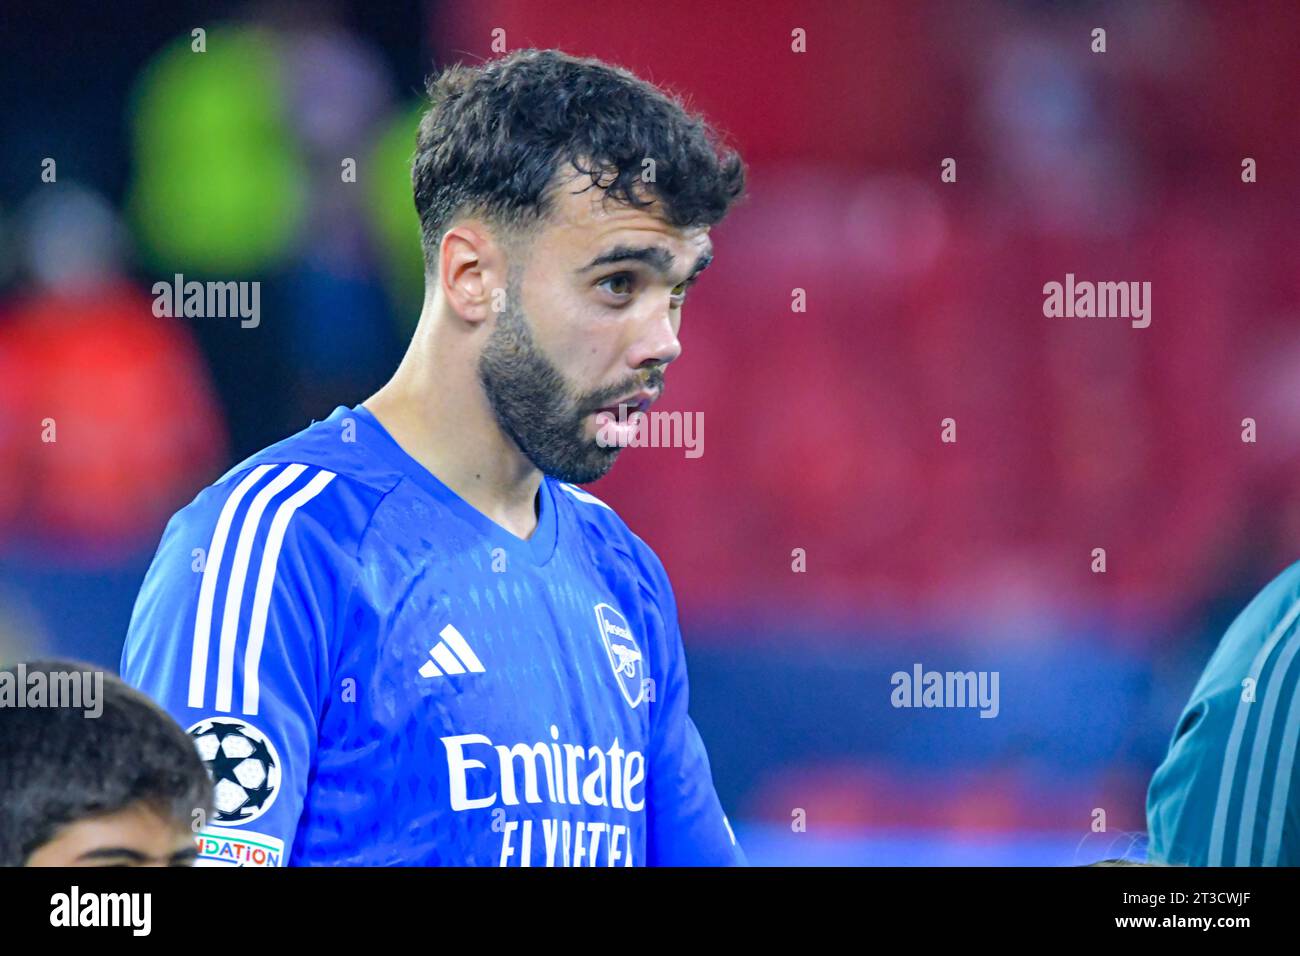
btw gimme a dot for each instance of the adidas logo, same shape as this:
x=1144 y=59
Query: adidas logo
x=451 y=655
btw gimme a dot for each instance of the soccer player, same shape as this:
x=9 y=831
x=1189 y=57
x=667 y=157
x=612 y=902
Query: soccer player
x=441 y=649
x=108 y=782
x=1227 y=792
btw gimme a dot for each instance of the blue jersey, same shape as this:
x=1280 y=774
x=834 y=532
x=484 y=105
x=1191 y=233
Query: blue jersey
x=377 y=674
x=1228 y=791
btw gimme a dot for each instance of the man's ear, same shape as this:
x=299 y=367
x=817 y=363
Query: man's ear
x=472 y=272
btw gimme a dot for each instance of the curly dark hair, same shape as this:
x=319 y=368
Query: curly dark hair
x=497 y=134
x=58 y=766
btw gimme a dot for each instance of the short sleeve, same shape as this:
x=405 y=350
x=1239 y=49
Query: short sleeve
x=230 y=634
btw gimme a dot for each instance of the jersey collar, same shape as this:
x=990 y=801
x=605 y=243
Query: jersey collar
x=537 y=549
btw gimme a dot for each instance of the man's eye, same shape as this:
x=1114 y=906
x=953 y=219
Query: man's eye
x=620 y=284
x=679 y=291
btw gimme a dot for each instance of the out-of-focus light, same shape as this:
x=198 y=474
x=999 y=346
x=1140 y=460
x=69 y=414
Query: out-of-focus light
x=218 y=181
x=72 y=238
x=337 y=87
x=393 y=208
x=107 y=424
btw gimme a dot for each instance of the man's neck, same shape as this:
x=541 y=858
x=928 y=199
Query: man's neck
x=442 y=419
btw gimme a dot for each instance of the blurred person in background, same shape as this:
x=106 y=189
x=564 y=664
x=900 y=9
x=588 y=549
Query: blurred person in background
x=106 y=414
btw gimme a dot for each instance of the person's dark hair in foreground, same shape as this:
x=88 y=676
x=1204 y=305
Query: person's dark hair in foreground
x=111 y=780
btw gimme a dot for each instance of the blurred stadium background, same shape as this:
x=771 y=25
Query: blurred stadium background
x=924 y=301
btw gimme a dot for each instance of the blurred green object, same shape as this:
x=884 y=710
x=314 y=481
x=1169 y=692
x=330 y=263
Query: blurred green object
x=219 y=182
x=394 y=219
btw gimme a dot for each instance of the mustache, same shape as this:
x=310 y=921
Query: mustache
x=651 y=381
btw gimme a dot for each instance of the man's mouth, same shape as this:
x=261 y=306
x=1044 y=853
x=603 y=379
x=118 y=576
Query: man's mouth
x=625 y=407
x=617 y=423
x=622 y=410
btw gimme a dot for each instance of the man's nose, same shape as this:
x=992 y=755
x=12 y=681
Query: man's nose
x=657 y=343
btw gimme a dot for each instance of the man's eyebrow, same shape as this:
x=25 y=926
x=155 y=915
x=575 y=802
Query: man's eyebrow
x=656 y=257
x=112 y=852
x=701 y=264
x=181 y=856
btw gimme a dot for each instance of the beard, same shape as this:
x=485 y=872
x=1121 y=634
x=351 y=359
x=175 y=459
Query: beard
x=536 y=407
